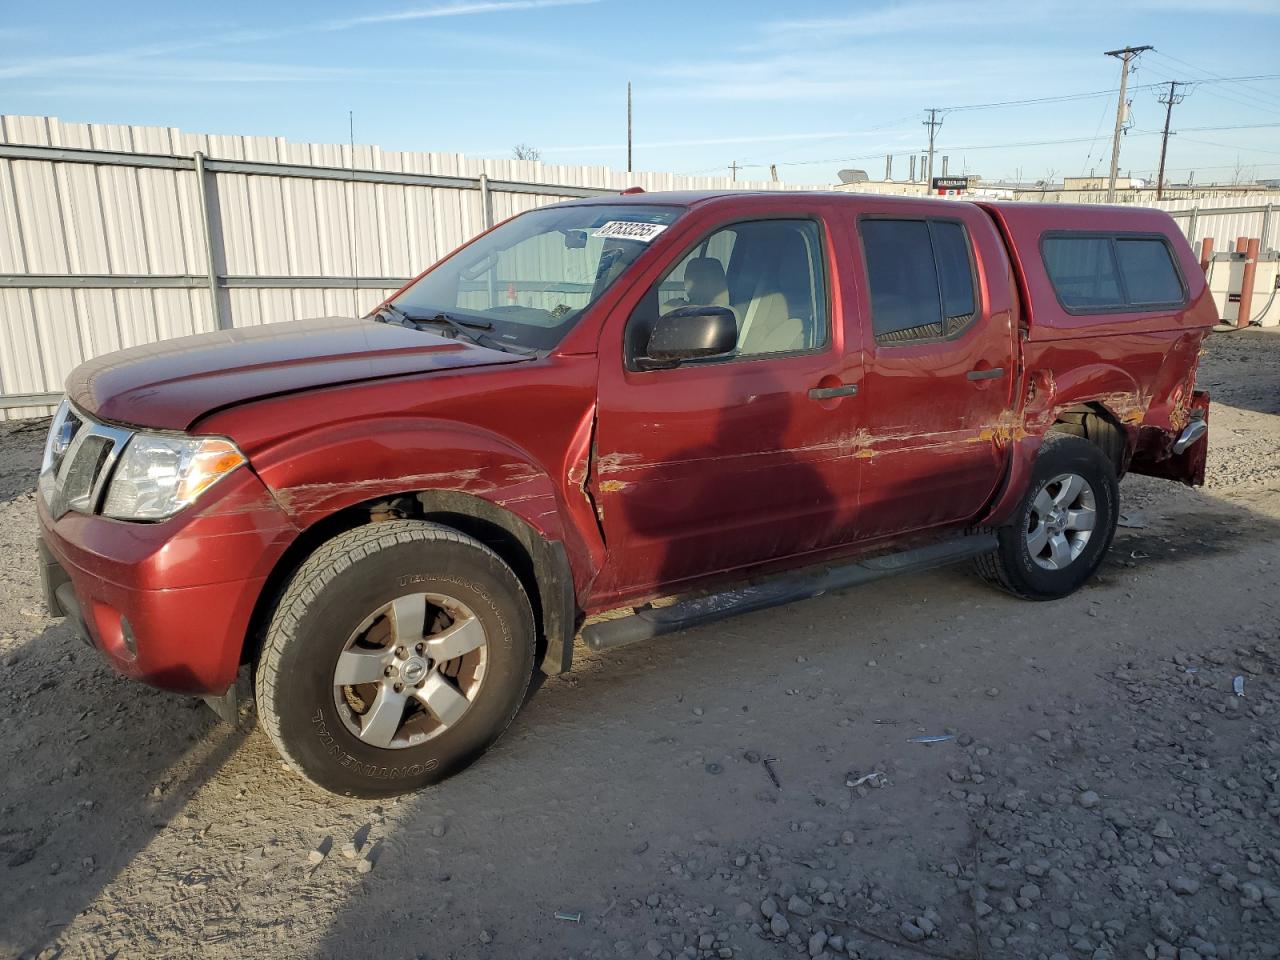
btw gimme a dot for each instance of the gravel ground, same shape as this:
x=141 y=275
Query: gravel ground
x=1106 y=793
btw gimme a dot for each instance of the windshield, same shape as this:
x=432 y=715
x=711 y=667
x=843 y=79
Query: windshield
x=530 y=280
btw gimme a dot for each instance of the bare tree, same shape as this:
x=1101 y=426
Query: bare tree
x=1241 y=174
x=522 y=151
x=1047 y=182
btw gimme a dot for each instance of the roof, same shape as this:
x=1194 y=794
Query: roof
x=691 y=198
x=1064 y=215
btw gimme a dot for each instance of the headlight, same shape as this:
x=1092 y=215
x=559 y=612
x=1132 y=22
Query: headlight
x=158 y=475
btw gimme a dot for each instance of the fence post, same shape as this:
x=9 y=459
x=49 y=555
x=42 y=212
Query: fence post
x=220 y=321
x=1191 y=224
x=1265 y=236
x=486 y=202
x=1246 y=282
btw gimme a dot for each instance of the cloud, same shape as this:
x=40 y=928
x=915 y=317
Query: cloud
x=810 y=76
x=110 y=63
x=895 y=18
x=450 y=10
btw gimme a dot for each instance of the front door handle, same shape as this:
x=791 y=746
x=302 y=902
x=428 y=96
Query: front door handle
x=832 y=393
x=991 y=374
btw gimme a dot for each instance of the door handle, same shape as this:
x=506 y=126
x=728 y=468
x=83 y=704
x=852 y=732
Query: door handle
x=831 y=393
x=991 y=374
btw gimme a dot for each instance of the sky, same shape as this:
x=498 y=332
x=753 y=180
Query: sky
x=811 y=87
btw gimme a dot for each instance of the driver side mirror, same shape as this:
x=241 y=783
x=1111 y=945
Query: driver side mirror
x=690 y=333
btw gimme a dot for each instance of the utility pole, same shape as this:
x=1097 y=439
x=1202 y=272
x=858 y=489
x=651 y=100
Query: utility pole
x=1173 y=97
x=933 y=123
x=1126 y=56
x=733 y=170
x=628 y=126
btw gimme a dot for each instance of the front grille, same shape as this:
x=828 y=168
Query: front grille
x=78 y=460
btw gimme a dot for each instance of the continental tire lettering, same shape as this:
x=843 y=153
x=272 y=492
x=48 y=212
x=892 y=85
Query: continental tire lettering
x=359 y=766
x=473 y=587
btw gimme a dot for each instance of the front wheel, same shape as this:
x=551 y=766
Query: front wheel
x=1063 y=526
x=397 y=654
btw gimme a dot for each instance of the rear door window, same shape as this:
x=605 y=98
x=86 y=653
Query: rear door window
x=1099 y=273
x=920 y=274
x=955 y=272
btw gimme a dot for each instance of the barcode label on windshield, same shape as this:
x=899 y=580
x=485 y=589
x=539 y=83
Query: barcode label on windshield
x=630 y=230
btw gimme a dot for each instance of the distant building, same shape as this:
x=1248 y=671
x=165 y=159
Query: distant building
x=1130 y=190
x=968 y=187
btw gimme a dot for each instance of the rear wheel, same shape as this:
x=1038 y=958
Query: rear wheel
x=398 y=653
x=1063 y=526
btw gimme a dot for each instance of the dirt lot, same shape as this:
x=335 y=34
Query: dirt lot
x=1106 y=794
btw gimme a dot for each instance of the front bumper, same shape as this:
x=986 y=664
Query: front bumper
x=168 y=603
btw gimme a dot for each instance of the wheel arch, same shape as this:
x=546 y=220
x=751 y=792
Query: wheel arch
x=541 y=565
x=1096 y=422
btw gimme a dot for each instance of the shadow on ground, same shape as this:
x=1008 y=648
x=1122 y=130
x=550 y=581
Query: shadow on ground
x=88 y=750
x=633 y=784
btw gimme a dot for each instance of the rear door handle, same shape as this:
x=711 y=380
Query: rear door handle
x=990 y=374
x=831 y=393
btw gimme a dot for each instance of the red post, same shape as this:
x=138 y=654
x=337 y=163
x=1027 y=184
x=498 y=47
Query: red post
x=1246 y=282
x=1206 y=253
x=1241 y=243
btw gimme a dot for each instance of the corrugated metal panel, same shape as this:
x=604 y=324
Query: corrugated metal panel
x=65 y=218
x=1224 y=228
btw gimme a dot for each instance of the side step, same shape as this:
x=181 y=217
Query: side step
x=650 y=622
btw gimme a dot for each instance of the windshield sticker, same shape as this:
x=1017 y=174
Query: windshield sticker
x=630 y=230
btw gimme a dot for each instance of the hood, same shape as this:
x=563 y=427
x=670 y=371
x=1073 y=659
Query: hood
x=171 y=385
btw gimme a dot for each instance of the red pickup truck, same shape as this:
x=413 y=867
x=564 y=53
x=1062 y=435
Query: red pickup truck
x=733 y=400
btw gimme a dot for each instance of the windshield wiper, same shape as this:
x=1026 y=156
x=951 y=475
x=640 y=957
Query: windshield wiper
x=462 y=326
x=397 y=316
x=467 y=326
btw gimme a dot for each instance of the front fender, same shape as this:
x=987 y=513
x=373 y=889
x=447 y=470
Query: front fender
x=315 y=474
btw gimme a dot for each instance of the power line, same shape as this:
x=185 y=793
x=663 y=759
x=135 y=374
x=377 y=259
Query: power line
x=1234 y=81
x=1067 y=97
x=1230 y=146
x=1017 y=144
x=1033 y=100
x=1211 y=83
x=1097 y=135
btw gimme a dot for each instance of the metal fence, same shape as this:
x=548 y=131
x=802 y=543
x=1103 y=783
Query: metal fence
x=1225 y=219
x=114 y=236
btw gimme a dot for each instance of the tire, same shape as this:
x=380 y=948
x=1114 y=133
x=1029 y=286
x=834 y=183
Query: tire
x=1029 y=560
x=356 y=605
x=1103 y=433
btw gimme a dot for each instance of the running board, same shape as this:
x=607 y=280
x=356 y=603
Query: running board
x=650 y=622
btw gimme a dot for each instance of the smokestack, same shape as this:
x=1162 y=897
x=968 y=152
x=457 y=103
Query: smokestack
x=888 y=166
x=911 y=175
x=924 y=165
x=944 y=165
